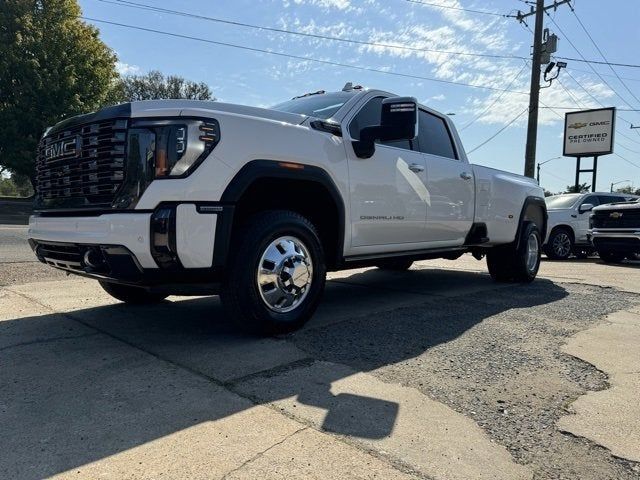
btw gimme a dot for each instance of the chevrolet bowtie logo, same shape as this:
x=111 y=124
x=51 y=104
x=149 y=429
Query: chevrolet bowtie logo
x=577 y=125
x=615 y=215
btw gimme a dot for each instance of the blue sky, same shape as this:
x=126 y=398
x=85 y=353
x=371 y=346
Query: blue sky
x=261 y=79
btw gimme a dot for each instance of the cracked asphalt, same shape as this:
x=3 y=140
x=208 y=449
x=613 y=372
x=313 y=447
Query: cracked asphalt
x=434 y=373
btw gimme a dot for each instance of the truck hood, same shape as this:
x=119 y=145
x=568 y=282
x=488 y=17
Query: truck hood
x=191 y=107
x=618 y=206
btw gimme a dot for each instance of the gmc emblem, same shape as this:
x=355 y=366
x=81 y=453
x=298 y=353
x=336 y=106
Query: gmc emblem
x=61 y=148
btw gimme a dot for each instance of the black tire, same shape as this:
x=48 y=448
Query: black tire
x=515 y=263
x=130 y=294
x=560 y=244
x=609 y=256
x=245 y=301
x=395 y=265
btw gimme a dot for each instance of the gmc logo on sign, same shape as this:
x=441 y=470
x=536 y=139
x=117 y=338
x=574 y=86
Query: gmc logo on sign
x=61 y=148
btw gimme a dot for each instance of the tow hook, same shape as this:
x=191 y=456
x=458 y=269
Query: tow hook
x=93 y=259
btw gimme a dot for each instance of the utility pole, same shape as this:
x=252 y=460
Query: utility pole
x=534 y=93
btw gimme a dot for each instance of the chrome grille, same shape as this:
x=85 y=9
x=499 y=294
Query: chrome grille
x=82 y=165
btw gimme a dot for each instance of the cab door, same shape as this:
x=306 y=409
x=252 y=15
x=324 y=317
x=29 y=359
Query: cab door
x=387 y=191
x=450 y=184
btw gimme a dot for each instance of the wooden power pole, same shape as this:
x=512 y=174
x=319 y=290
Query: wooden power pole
x=534 y=93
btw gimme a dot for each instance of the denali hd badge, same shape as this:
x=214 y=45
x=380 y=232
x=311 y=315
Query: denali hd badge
x=61 y=148
x=615 y=215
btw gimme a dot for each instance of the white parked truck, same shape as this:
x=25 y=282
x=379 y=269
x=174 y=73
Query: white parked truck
x=190 y=197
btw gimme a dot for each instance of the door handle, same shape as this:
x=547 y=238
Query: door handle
x=466 y=176
x=416 y=167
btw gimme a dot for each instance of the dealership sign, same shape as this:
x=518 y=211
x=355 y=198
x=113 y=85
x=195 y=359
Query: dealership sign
x=589 y=133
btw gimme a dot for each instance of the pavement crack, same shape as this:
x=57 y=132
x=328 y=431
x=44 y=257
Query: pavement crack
x=41 y=341
x=260 y=454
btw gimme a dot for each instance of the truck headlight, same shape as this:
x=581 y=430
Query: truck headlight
x=175 y=147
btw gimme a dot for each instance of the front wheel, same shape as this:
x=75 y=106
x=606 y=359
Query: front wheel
x=560 y=244
x=517 y=263
x=276 y=273
x=131 y=294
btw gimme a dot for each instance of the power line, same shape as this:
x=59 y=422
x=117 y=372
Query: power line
x=602 y=55
x=496 y=100
x=590 y=65
x=598 y=62
x=450 y=7
x=498 y=132
x=152 y=8
x=298 y=57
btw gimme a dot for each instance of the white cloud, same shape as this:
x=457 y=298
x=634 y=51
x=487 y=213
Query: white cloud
x=127 y=69
x=424 y=29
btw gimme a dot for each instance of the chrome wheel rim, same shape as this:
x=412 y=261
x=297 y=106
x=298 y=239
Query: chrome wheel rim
x=285 y=272
x=562 y=245
x=533 y=252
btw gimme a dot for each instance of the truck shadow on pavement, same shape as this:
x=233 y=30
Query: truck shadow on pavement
x=81 y=386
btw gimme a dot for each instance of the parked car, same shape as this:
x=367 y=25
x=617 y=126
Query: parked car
x=615 y=231
x=190 y=197
x=569 y=222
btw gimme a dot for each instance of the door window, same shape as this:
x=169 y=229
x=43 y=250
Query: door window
x=434 y=137
x=370 y=115
x=609 y=199
x=592 y=199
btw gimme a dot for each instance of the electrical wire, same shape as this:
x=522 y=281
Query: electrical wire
x=590 y=65
x=602 y=55
x=298 y=57
x=153 y=8
x=450 y=7
x=496 y=100
x=498 y=132
x=598 y=62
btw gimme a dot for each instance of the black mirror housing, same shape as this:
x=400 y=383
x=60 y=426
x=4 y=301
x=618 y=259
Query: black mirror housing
x=399 y=118
x=398 y=121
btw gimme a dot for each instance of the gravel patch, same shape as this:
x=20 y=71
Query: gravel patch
x=495 y=358
x=18 y=273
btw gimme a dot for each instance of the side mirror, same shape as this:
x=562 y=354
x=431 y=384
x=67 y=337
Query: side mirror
x=398 y=121
x=585 y=207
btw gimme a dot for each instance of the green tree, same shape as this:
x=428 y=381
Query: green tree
x=582 y=188
x=154 y=85
x=52 y=65
x=628 y=189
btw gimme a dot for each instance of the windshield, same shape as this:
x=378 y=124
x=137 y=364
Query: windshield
x=562 y=201
x=321 y=106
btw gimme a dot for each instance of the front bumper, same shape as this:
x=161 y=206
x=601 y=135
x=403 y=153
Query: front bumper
x=122 y=247
x=619 y=240
x=128 y=230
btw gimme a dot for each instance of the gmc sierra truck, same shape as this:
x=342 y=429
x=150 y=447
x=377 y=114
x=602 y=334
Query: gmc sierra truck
x=183 y=197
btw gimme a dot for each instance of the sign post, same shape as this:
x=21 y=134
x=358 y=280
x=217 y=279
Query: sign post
x=589 y=133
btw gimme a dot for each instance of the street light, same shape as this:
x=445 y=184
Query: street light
x=542 y=163
x=616 y=183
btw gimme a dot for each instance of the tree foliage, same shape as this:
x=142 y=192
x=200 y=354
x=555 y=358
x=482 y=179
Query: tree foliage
x=629 y=189
x=154 y=85
x=52 y=65
x=582 y=188
x=15 y=186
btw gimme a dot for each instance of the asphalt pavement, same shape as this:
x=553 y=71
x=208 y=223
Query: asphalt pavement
x=434 y=373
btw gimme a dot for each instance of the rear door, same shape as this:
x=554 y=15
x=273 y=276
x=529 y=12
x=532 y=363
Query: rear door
x=450 y=184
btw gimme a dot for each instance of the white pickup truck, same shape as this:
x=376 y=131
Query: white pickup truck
x=190 y=197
